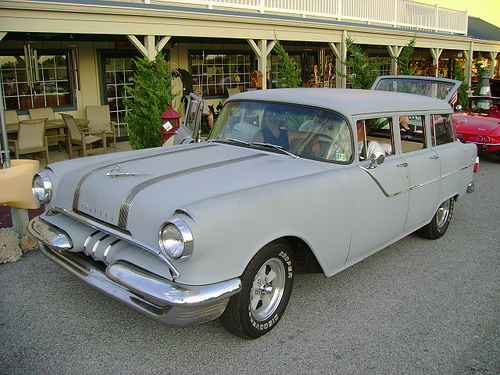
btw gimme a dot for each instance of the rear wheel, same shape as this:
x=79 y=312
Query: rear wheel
x=440 y=222
x=266 y=287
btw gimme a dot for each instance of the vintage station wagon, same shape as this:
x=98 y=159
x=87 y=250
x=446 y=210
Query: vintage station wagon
x=289 y=180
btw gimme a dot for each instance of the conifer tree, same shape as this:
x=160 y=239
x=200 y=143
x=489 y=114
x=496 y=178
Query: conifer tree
x=463 y=90
x=288 y=72
x=403 y=59
x=363 y=69
x=150 y=96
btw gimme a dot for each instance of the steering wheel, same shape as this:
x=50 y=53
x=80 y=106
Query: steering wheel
x=308 y=149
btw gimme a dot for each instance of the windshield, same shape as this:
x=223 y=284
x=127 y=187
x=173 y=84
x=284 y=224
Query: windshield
x=293 y=130
x=486 y=103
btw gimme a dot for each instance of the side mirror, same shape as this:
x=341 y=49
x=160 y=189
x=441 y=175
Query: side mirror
x=375 y=161
x=458 y=108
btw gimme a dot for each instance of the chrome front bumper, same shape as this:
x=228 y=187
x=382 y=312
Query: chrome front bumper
x=165 y=301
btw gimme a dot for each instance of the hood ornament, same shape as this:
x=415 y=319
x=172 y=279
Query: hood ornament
x=115 y=172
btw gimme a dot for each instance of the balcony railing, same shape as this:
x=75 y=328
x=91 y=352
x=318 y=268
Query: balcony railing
x=405 y=14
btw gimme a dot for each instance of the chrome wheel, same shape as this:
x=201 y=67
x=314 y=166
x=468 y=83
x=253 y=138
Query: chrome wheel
x=443 y=214
x=440 y=221
x=267 y=289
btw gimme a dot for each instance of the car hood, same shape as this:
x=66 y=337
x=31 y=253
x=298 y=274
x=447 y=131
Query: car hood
x=469 y=122
x=151 y=187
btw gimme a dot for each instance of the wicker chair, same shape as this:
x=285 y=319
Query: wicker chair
x=11 y=117
x=54 y=137
x=80 y=140
x=100 y=121
x=30 y=139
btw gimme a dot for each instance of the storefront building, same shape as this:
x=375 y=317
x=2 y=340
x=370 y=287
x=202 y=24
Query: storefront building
x=71 y=54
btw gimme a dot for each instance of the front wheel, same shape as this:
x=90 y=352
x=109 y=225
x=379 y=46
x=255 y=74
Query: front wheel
x=440 y=221
x=266 y=287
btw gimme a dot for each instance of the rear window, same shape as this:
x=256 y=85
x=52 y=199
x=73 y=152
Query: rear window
x=431 y=88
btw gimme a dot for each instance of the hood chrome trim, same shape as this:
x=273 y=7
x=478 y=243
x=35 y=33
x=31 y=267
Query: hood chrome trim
x=76 y=196
x=127 y=202
x=115 y=172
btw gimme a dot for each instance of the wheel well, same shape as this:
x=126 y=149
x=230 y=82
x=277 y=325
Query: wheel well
x=305 y=261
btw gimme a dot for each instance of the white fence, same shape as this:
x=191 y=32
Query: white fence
x=396 y=13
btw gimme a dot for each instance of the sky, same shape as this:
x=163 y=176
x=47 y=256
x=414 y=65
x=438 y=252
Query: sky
x=487 y=10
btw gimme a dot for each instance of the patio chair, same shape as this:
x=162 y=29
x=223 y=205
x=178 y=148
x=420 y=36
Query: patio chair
x=54 y=136
x=30 y=139
x=80 y=140
x=100 y=121
x=231 y=92
x=11 y=117
x=47 y=112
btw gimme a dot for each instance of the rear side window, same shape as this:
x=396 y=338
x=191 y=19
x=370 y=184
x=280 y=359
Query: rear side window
x=412 y=132
x=442 y=130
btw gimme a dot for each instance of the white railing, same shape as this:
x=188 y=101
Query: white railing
x=406 y=14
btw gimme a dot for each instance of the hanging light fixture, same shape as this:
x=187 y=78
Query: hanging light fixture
x=31 y=62
x=75 y=62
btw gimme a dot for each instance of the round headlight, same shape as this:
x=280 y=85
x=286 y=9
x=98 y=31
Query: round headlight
x=42 y=188
x=176 y=239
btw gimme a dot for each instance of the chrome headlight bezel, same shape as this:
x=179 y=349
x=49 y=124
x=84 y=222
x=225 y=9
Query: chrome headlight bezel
x=176 y=239
x=42 y=188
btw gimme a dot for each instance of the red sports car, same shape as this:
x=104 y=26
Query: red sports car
x=479 y=123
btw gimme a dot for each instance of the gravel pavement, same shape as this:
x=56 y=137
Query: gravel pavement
x=416 y=307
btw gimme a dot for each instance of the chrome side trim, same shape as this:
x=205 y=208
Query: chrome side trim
x=379 y=184
x=414 y=187
x=108 y=230
x=127 y=202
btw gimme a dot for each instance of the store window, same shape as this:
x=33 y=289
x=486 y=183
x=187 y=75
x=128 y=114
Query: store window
x=36 y=79
x=118 y=72
x=215 y=73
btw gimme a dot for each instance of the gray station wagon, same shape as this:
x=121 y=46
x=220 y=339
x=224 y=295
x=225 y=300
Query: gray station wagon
x=288 y=181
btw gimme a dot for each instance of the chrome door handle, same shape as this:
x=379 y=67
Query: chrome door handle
x=434 y=157
x=402 y=165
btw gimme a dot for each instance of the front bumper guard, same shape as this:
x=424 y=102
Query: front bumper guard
x=170 y=303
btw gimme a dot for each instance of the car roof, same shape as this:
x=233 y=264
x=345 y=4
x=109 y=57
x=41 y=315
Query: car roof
x=350 y=102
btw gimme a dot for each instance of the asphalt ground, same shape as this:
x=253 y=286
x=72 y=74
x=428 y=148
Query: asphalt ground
x=416 y=307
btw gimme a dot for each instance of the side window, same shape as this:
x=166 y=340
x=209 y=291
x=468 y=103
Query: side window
x=412 y=132
x=375 y=137
x=441 y=130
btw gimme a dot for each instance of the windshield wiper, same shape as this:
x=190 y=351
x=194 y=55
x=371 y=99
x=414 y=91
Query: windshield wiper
x=276 y=147
x=268 y=145
x=232 y=140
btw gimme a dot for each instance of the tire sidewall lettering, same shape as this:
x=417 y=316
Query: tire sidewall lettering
x=286 y=259
x=271 y=322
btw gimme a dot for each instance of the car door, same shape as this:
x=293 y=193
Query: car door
x=454 y=158
x=423 y=166
x=190 y=129
x=381 y=203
